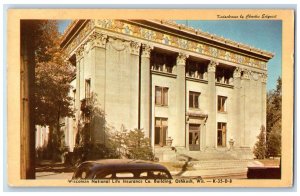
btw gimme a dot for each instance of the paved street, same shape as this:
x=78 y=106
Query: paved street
x=52 y=175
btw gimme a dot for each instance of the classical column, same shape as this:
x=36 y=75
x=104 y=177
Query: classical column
x=243 y=107
x=211 y=132
x=145 y=98
x=236 y=107
x=264 y=78
x=98 y=80
x=79 y=56
x=180 y=100
x=134 y=84
x=98 y=54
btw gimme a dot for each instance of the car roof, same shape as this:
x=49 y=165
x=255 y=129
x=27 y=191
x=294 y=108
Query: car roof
x=123 y=164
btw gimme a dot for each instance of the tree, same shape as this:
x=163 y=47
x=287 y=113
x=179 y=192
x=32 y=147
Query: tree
x=52 y=84
x=274 y=116
x=138 y=146
x=93 y=136
x=260 y=146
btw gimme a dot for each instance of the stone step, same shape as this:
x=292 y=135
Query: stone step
x=219 y=164
x=169 y=154
x=205 y=156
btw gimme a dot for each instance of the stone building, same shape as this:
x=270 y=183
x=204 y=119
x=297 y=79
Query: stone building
x=204 y=93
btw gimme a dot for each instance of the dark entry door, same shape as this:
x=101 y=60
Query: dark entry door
x=194 y=137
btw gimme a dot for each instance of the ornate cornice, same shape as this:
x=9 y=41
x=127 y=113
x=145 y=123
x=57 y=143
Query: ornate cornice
x=146 y=50
x=212 y=66
x=181 y=58
x=135 y=48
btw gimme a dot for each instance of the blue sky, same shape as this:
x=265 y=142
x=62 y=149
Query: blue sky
x=263 y=34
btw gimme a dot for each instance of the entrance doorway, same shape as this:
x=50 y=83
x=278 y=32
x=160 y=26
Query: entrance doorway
x=194 y=137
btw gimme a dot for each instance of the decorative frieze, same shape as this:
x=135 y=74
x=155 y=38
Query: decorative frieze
x=212 y=66
x=146 y=50
x=181 y=59
x=163 y=38
x=80 y=37
x=135 y=48
x=175 y=41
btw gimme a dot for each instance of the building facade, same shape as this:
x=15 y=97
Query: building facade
x=202 y=92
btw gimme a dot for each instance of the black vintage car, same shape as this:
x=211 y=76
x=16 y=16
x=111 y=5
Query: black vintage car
x=121 y=169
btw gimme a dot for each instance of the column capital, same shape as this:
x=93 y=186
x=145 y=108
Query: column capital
x=98 y=40
x=264 y=78
x=181 y=59
x=79 y=52
x=135 y=48
x=146 y=50
x=212 y=66
x=237 y=72
x=246 y=74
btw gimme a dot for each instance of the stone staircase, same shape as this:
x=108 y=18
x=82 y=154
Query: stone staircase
x=215 y=168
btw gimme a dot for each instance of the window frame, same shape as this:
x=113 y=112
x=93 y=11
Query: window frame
x=223 y=144
x=195 y=96
x=223 y=103
x=87 y=89
x=164 y=94
x=162 y=128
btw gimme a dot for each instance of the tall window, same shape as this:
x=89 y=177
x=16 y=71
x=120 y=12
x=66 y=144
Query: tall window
x=88 y=88
x=161 y=127
x=222 y=103
x=221 y=134
x=161 y=96
x=194 y=99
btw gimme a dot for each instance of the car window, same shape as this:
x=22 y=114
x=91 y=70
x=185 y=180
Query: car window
x=112 y=174
x=143 y=175
x=154 y=175
x=103 y=175
x=138 y=174
x=158 y=175
x=124 y=175
x=107 y=176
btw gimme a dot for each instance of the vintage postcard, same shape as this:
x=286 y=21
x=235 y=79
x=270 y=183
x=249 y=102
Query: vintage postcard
x=150 y=98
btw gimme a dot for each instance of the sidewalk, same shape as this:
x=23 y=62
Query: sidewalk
x=217 y=173
x=47 y=169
